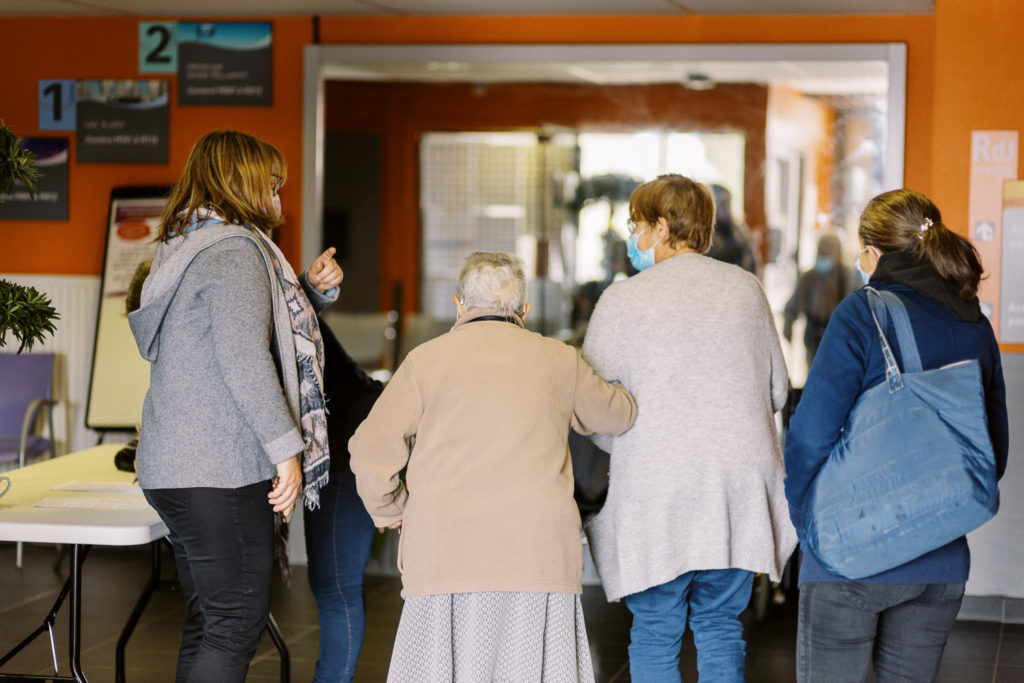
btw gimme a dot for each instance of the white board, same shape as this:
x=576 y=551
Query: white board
x=120 y=377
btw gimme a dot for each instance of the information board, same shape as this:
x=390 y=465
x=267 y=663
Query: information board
x=120 y=377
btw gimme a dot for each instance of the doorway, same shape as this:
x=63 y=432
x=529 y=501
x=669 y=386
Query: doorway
x=793 y=192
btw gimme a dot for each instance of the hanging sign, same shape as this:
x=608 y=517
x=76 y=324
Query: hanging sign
x=122 y=121
x=224 y=63
x=158 y=47
x=56 y=105
x=50 y=200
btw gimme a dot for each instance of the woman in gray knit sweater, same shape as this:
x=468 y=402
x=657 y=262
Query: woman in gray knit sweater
x=235 y=394
x=695 y=502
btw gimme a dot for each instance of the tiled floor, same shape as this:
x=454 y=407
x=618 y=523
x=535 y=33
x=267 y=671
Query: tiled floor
x=977 y=651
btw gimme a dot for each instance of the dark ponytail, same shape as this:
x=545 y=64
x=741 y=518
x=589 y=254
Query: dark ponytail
x=904 y=220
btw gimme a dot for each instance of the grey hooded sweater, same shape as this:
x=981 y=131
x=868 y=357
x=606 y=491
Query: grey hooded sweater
x=222 y=409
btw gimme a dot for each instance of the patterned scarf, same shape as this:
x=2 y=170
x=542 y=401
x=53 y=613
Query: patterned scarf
x=309 y=357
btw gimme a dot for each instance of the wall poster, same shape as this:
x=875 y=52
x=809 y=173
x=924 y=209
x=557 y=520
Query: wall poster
x=50 y=201
x=123 y=121
x=1011 y=283
x=993 y=160
x=224 y=63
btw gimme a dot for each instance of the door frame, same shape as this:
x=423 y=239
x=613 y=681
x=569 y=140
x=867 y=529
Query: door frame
x=327 y=62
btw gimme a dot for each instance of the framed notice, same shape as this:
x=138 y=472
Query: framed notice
x=122 y=121
x=50 y=200
x=120 y=376
x=224 y=63
x=1011 y=281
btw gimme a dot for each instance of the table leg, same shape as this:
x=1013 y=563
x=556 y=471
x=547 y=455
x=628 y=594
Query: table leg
x=133 y=618
x=72 y=586
x=75 y=616
x=282 y=649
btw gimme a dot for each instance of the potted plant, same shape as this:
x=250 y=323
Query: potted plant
x=24 y=312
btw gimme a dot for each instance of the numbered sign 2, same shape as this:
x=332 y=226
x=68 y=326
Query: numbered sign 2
x=158 y=47
x=56 y=105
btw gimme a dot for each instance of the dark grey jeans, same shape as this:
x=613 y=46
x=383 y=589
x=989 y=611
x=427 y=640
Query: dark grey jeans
x=845 y=627
x=223 y=545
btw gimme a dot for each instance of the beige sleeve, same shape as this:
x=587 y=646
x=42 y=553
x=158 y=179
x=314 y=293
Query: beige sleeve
x=599 y=406
x=381 y=446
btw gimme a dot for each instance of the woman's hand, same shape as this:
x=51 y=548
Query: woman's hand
x=396 y=525
x=286 y=486
x=325 y=273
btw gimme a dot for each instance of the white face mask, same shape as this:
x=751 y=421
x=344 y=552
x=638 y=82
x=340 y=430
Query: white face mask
x=277 y=204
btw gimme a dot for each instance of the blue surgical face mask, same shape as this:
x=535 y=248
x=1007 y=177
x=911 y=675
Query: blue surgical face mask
x=860 y=271
x=641 y=260
x=823 y=265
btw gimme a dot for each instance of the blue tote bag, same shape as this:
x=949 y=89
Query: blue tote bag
x=914 y=467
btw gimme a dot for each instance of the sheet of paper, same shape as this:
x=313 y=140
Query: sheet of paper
x=99 y=487
x=95 y=503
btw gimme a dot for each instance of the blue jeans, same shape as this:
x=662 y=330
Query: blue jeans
x=338 y=539
x=903 y=628
x=713 y=599
x=223 y=543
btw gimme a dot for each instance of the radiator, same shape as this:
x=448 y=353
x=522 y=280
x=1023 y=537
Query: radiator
x=76 y=298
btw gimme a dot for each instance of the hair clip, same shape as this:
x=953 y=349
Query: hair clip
x=927 y=224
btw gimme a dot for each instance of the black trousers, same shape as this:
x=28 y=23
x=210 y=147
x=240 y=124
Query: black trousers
x=223 y=545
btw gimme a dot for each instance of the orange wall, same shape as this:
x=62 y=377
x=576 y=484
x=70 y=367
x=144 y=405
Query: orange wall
x=800 y=123
x=60 y=48
x=978 y=71
x=34 y=49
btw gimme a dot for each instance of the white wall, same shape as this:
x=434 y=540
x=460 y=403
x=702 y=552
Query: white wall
x=997 y=548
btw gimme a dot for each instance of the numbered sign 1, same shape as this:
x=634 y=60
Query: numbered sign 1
x=56 y=105
x=158 y=47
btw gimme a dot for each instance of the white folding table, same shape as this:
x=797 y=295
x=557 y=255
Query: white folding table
x=108 y=514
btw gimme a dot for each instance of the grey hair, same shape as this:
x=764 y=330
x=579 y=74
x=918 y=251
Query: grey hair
x=493 y=281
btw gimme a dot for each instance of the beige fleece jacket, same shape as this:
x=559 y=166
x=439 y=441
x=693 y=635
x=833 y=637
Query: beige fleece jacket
x=481 y=417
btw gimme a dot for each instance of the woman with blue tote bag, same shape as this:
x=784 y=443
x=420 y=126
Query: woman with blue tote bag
x=896 y=620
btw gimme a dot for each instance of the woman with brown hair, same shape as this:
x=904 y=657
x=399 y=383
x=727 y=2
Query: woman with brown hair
x=235 y=397
x=695 y=504
x=897 y=620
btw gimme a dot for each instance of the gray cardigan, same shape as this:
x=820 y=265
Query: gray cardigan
x=697 y=482
x=222 y=409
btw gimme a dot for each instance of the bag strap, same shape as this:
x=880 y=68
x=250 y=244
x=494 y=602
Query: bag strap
x=883 y=305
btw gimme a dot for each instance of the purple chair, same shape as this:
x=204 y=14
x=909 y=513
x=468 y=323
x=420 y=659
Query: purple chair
x=26 y=387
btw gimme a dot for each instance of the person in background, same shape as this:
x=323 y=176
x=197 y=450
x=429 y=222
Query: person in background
x=339 y=534
x=731 y=240
x=818 y=292
x=133 y=298
x=235 y=396
x=898 y=620
x=695 y=503
x=490 y=552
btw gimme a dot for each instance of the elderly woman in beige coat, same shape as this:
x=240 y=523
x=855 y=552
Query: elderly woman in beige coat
x=490 y=549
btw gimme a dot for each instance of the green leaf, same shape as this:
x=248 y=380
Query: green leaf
x=26 y=313
x=17 y=164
